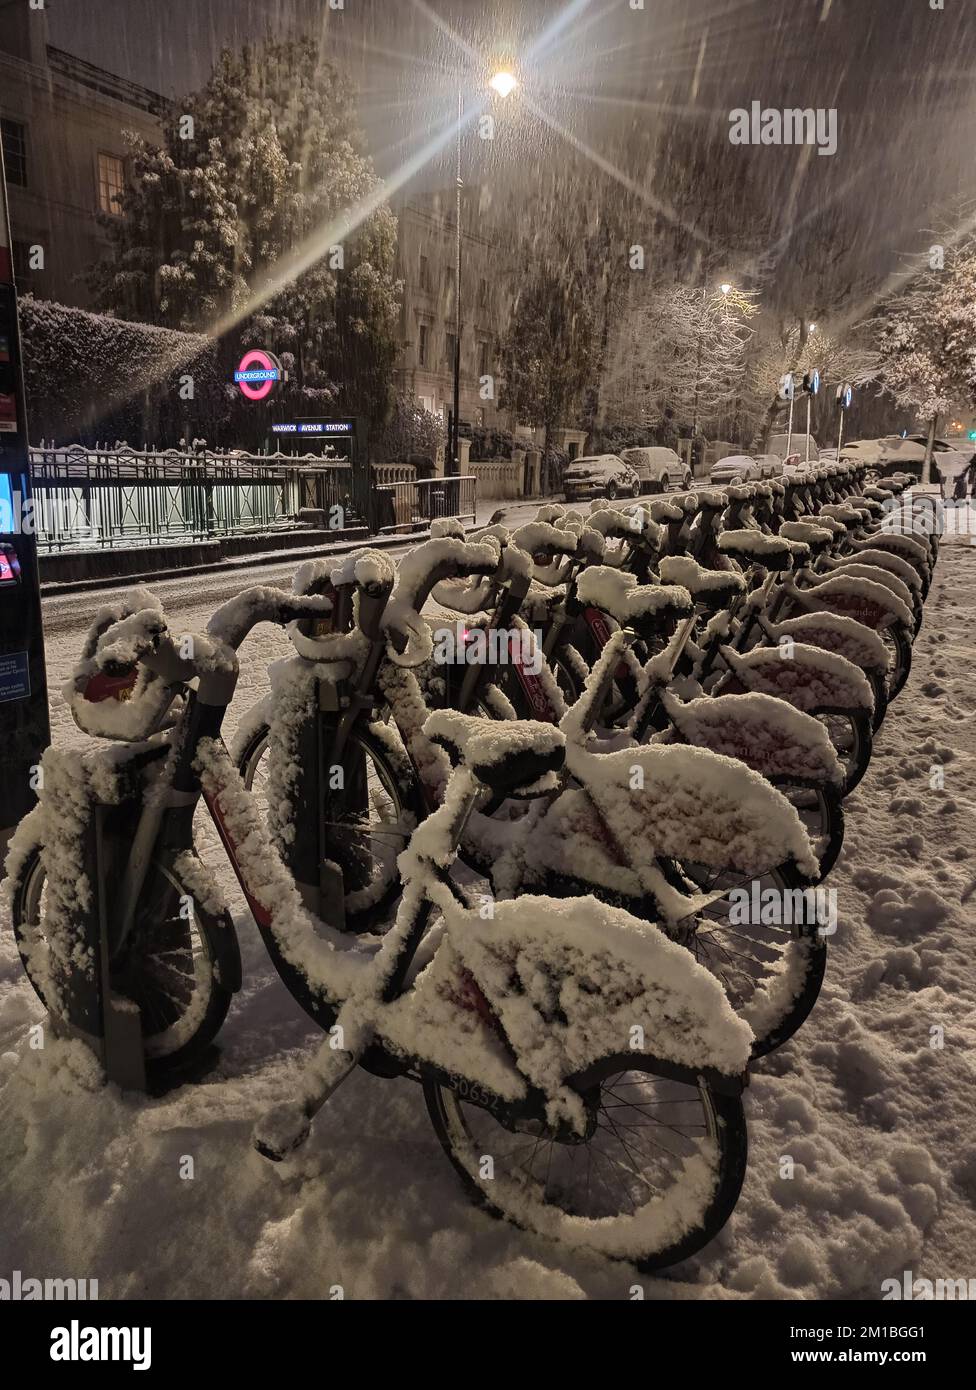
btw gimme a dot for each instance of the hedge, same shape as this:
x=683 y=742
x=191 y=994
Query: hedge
x=92 y=378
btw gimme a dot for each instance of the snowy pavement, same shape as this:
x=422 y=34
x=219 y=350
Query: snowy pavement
x=862 y=1148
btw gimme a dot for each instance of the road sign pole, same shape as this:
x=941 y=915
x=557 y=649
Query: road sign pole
x=25 y=729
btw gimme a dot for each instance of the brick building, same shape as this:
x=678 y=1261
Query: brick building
x=426 y=265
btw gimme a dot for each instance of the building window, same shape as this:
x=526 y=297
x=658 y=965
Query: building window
x=14 y=150
x=483 y=294
x=422 y=344
x=484 y=358
x=111 y=183
x=424 y=273
x=450 y=347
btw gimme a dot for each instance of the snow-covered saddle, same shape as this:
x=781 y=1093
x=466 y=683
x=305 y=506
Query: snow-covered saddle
x=756 y=548
x=502 y=754
x=646 y=607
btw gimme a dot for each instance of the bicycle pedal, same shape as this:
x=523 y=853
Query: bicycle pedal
x=281 y=1132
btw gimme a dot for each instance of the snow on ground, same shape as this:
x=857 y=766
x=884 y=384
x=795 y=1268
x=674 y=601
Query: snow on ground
x=878 y=1123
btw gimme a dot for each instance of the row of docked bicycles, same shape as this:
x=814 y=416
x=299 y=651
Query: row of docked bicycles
x=536 y=819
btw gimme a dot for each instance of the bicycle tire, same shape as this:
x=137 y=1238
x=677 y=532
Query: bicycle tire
x=169 y=1052
x=726 y=1129
x=858 y=758
x=405 y=795
x=903 y=659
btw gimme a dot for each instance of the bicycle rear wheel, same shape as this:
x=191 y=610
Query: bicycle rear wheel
x=771 y=973
x=850 y=732
x=899 y=644
x=654 y=1180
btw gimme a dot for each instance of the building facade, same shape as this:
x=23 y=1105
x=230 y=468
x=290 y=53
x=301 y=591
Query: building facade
x=62 y=122
x=426 y=250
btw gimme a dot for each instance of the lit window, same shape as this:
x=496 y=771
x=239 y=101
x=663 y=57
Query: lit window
x=111 y=183
x=14 y=150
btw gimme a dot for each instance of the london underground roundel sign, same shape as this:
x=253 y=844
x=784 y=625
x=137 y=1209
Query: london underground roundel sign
x=258 y=373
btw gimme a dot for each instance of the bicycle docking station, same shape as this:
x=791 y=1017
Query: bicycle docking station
x=94 y=1012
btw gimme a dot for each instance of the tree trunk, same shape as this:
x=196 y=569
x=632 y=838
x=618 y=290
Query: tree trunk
x=927 y=461
x=544 y=463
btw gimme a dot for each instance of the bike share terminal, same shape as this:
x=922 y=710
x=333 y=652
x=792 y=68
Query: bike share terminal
x=24 y=721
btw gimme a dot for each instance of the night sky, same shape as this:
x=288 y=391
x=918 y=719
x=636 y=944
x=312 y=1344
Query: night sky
x=899 y=74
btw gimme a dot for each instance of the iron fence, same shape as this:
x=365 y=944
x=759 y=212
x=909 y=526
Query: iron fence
x=416 y=503
x=96 y=498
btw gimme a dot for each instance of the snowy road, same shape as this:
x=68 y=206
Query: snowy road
x=862 y=1157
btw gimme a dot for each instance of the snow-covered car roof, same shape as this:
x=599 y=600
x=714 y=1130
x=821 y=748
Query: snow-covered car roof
x=652 y=451
x=609 y=463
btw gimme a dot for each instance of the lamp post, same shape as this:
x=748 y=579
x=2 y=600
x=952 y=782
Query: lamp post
x=503 y=84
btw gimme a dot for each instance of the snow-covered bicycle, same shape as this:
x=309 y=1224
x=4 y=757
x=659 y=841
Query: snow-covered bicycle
x=583 y=1072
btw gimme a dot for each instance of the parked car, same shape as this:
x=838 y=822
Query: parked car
x=892 y=453
x=600 y=475
x=770 y=465
x=797 y=448
x=737 y=468
x=658 y=468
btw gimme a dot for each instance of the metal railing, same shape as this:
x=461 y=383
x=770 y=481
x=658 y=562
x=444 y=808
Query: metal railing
x=96 y=498
x=415 y=504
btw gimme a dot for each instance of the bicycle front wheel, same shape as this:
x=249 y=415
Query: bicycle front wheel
x=364 y=840
x=168 y=967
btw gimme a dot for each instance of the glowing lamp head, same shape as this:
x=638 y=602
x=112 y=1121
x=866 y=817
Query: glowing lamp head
x=503 y=83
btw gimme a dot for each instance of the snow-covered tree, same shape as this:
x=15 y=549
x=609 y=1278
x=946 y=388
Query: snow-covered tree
x=680 y=348
x=547 y=351
x=791 y=346
x=263 y=160
x=927 y=336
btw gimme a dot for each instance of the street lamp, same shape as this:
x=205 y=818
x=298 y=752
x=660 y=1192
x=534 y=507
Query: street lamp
x=503 y=84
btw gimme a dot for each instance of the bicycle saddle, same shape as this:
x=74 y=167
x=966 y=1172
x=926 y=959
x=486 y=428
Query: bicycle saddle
x=712 y=590
x=756 y=548
x=661 y=509
x=841 y=511
x=825 y=523
x=817 y=537
x=502 y=754
x=646 y=607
